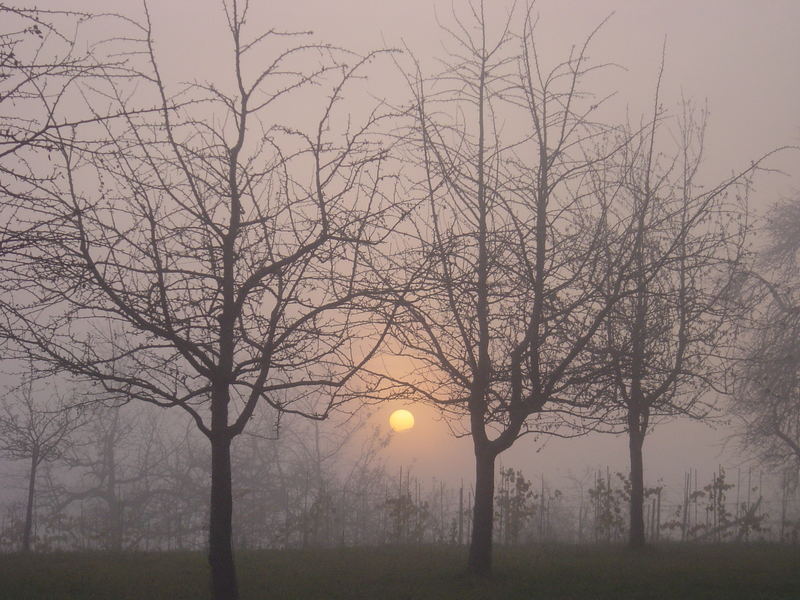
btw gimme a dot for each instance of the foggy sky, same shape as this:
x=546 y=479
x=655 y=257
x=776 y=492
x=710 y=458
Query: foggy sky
x=740 y=56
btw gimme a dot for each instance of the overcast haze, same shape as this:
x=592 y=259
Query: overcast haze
x=742 y=57
x=238 y=236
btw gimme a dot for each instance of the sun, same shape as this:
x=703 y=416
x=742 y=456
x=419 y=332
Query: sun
x=401 y=420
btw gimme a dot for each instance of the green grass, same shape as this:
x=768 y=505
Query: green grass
x=670 y=572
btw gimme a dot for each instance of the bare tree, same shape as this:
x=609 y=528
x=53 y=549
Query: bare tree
x=35 y=426
x=44 y=55
x=39 y=60
x=208 y=255
x=516 y=228
x=767 y=388
x=669 y=337
x=114 y=473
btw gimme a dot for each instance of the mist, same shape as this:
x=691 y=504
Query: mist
x=237 y=237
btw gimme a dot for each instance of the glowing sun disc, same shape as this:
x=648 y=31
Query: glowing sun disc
x=401 y=420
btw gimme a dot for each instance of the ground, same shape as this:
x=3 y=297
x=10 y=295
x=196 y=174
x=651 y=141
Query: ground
x=674 y=572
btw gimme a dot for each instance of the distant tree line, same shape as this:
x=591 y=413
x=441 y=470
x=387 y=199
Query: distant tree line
x=124 y=483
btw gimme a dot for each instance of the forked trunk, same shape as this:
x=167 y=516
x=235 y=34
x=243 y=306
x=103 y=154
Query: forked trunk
x=636 y=533
x=480 y=549
x=220 y=550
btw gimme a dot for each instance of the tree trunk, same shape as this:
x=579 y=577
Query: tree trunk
x=636 y=532
x=26 y=534
x=220 y=551
x=116 y=518
x=480 y=550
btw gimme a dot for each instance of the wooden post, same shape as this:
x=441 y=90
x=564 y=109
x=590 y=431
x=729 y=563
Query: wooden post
x=461 y=514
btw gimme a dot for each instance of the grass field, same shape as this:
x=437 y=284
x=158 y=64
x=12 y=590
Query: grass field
x=747 y=572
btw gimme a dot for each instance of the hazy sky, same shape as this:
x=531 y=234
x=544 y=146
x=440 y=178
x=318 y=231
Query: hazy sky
x=740 y=56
